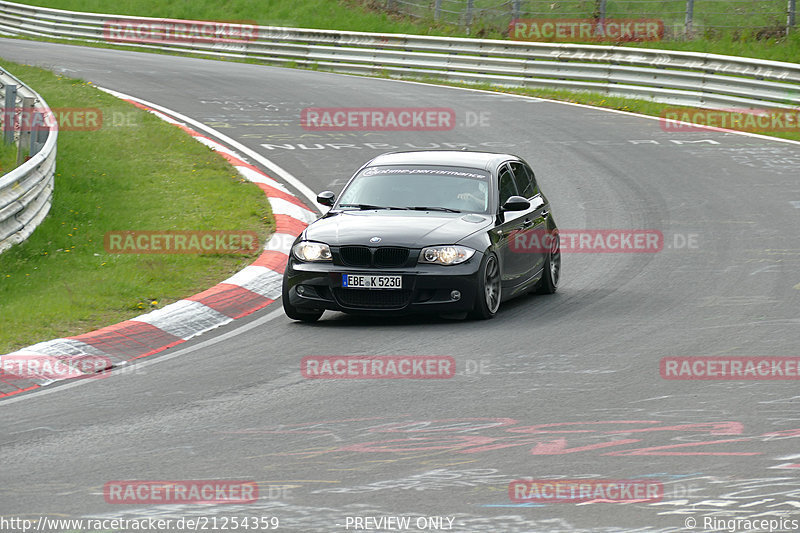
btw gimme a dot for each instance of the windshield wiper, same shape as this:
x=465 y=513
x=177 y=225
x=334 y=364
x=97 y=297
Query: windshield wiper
x=424 y=208
x=370 y=206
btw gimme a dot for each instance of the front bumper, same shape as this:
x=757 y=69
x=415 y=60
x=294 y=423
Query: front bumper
x=426 y=288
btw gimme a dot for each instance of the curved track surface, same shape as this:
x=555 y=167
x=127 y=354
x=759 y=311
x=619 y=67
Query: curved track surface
x=566 y=386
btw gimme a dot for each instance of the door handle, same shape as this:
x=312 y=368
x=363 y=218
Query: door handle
x=527 y=222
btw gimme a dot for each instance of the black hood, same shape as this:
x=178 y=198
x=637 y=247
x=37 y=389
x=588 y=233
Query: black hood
x=410 y=229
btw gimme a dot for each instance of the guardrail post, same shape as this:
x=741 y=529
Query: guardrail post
x=37 y=133
x=437 y=10
x=600 y=10
x=9 y=112
x=468 y=16
x=790 y=16
x=515 y=9
x=25 y=125
x=687 y=25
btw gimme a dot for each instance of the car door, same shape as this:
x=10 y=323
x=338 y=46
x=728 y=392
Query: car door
x=529 y=245
x=510 y=224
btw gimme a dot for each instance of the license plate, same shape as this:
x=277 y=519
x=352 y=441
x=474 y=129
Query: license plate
x=368 y=281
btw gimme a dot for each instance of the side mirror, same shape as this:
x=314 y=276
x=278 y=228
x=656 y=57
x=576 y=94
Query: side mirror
x=516 y=203
x=326 y=198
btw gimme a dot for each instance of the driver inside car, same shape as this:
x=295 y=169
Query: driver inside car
x=474 y=199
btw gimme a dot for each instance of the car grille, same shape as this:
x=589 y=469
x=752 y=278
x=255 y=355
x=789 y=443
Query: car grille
x=390 y=257
x=355 y=255
x=373 y=299
x=385 y=256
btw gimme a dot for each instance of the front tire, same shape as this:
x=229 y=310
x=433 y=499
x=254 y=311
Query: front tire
x=489 y=289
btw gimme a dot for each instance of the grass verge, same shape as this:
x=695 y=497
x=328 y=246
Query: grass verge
x=8 y=156
x=135 y=172
x=321 y=14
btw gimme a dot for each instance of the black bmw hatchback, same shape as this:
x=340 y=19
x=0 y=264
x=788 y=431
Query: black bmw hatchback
x=444 y=232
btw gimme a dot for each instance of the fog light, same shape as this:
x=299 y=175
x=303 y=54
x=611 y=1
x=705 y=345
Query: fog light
x=455 y=295
x=300 y=290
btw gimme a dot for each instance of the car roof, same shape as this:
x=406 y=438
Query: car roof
x=456 y=158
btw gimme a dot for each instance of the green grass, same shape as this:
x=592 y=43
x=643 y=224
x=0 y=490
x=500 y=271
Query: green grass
x=765 y=41
x=323 y=14
x=8 y=156
x=144 y=175
x=709 y=16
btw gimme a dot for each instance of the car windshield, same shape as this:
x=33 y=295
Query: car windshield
x=438 y=188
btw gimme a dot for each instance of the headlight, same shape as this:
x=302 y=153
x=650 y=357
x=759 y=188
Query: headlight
x=311 y=251
x=445 y=255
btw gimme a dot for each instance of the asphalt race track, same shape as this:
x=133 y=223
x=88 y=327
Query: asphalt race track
x=556 y=387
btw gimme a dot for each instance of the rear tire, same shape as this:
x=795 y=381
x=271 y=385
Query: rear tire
x=487 y=301
x=552 y=269
x=294 y=313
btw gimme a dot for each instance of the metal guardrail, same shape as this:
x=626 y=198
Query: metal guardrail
x=27 y=191
x=672 y=77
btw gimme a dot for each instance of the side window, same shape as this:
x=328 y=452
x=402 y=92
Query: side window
x=506 y=183
x=534 y=186
x=525 y=179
